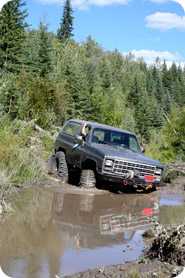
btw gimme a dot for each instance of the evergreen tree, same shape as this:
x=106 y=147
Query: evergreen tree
x=12 y=34
x=92 y=49
x=105 y=73
x=134 y=94
x=166 y=76
x=44 y=63
x=66 y=25
x=158 y=86
x=30 y=52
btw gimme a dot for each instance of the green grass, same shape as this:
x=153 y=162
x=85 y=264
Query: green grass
x=23 y=152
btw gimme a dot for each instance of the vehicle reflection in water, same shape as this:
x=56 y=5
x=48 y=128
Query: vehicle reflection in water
x=105 y=216
x=54 y=233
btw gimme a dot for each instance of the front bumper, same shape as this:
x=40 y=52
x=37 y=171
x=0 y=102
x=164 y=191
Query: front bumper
x=135 y=182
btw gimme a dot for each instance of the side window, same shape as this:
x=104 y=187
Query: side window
x=98 y=136
x=72 y=128
x=116 y=138
x=133 y=144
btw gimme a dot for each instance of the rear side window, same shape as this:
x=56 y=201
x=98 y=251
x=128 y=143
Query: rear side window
x=72 y=128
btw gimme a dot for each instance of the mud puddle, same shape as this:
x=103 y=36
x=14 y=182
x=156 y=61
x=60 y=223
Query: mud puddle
x=55 y=232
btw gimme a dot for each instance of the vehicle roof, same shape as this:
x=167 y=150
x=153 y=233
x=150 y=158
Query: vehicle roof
x=98 y=125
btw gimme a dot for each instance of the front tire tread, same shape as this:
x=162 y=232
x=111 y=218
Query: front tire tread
x=88 y=178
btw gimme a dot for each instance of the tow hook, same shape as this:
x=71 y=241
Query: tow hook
x=149 y=186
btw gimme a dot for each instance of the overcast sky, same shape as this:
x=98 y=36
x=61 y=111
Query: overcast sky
x=147 y=28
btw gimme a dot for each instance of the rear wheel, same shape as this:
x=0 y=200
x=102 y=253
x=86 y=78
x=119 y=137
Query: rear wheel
x=88 y=178
x=62 y=168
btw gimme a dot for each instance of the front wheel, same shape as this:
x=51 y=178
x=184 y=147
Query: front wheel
x=88 y=179
x=62 y=168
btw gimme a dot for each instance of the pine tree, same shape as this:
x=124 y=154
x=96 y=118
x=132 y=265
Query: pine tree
x=158 y=86
x=105 y=73
x=92 y=48
x=166 y=76
x=30 y=52
x=66 y=25
x=12 y=34
x=44 y=63
x=134 y=94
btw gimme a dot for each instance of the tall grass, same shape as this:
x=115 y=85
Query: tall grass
x=23 y=152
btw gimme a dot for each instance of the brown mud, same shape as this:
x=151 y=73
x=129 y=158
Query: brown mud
x=58 y=230
x=134 y=270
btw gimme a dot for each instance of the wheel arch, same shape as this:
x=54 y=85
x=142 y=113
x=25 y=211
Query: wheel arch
x=60 y=149
x=89 y=164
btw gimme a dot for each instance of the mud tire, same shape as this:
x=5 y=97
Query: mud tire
x=62 y=169
x=87 y=179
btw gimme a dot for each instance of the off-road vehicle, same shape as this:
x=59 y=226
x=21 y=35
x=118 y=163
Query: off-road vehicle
x=100 y=151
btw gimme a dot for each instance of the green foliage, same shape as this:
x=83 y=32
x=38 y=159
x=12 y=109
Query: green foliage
x=18 y=160
x=168 y=145
x=37 y=100
x=57 y=81
x=44 y=63
x=66 y=25
x=21 y=151
x=12 y=34
x=9 y=95
x=174 y=135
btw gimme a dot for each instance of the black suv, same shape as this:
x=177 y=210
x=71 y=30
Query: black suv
x=100 y=151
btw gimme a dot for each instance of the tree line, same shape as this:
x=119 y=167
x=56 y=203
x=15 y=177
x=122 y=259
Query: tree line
x=50 y=77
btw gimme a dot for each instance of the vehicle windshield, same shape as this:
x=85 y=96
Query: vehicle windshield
x=115 y=138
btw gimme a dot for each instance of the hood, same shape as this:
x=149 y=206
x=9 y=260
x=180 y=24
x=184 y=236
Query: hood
x=127 y=154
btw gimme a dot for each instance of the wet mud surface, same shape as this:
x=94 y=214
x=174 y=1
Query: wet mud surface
x=57 y=231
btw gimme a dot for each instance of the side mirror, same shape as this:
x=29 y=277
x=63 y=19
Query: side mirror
x=79 y=142
x=142 y=149
x=79 y=139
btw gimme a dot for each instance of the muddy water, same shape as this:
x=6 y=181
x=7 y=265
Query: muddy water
x=55 y=232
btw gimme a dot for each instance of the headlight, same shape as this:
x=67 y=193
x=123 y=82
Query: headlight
x=108 y=162
x=158 y=172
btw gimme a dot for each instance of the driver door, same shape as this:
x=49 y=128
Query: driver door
x=69 y=133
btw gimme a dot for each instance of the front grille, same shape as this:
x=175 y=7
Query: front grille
x=122 y=167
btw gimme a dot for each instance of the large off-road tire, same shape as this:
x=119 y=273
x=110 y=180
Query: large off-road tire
x=62 y=169
x=88 y=178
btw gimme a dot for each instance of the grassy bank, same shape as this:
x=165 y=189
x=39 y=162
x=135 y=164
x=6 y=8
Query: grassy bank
x=23 y=154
